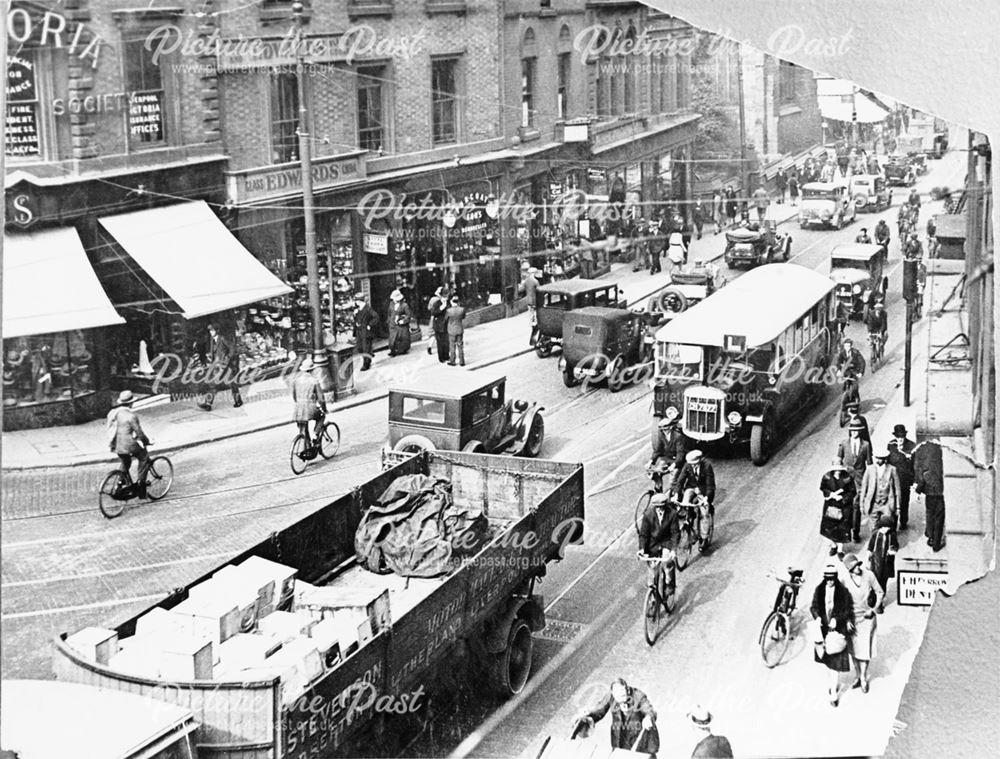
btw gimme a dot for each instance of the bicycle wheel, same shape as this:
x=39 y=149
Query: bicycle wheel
x=775 y=636
x=110 y=505
x=651 y=614
x=683 y=551
x=640 y=508
x=160 y=478
x=329 y=440
x=299 y=446
x=705 y=543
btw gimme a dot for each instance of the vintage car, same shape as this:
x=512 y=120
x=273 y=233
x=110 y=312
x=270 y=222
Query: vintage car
x=757 y=244
x=827 y=204
x=858 y=271
x=556 y=298
x=900 y=171
x=600 y=342
x=689 y=286
x=459 y=410
x=870 y=192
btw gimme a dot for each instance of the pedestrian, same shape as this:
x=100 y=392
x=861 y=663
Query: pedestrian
x=399 y=324
x=793 y=188
x=709 y=745
x=456 y=332
x=781 y=184
x=882 y=554
x=880 y=490
x=731 y=206
x=761 y=201
x=698 y=216
x=854 y=413
x=529 y=289
x=866 y=596
x=437 y=306
x=839 y=495
x=717 y=211
x=856 y=454
x=224 y=365
x=832 y=610
x=633 y=719
x=365 y=321
x=873 y=167
x=684 y=226
x=640 y=245
x=657 y=246
x=928 y=468
x=901 y=457
x=586 y=257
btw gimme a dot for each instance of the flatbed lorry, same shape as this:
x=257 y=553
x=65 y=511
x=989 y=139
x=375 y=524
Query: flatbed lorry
x=486 y=602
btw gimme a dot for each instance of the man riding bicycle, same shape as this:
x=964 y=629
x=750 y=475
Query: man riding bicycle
x=697 y=478
x=878 y=322
x=659 y=532
x=310 y=405
x=126 y=438
x=863 y=237
x=882 y=234
x=850 y=362
x=913 y=201
x=914 y=250
x=669 y=449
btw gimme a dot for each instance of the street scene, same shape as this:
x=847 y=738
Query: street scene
x=368 y=394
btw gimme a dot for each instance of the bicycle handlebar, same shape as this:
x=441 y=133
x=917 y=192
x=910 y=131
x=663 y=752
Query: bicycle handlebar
x=643 y=557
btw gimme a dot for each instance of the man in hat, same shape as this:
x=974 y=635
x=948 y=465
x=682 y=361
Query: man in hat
x=529 y=289
x=880 y=489
x=709 y=745
x=839 y=495
x=659 y=532
x=854 y=413
x=456 y=332
x=438 y=306
x=697 y=477
x=856 y=454
x=310 y=404
x=225 y=364
x=901 y=457
x=365 y=321
x=126 y=438
x=863 y=236
x=877 y=322
x=670 y=447
x=928 y=469
x=633 y=719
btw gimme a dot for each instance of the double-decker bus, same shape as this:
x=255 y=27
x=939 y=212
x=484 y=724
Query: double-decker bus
x=740 y=363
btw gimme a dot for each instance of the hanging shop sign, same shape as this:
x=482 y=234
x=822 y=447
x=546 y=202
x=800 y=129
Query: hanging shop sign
x=50 y=29
x=21 y=135
x=474 y=216
x=919 y=587
x=270 y=182
x=376 y=243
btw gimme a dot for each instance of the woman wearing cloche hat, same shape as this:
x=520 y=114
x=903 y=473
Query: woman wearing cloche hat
x=839 y=492
x=399 y=324
x=833 y=614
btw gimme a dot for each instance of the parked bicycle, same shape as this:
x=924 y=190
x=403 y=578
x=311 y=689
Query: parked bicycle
x=118 y=488
x=654 y=606
x=325 y=443
x=778 y=630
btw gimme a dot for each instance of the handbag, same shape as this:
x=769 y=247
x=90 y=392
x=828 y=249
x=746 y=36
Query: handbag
x=835 y=513
x=834 y=642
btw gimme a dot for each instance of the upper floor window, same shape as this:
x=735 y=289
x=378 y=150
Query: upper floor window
x=284 y=118
x=562 y=85
x=22 y=136
x=147 y=101
x=788 y=77
x=371 y=108
x=528 y=92
x=444 y=100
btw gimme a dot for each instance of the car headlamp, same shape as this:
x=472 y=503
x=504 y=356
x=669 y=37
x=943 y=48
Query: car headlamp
x=857 y=289
x=734 y=418
x=562 y=364
x=671 y=411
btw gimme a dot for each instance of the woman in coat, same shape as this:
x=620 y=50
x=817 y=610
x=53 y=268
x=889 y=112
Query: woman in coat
x=839 y=492
x=632 y=718
x=881 y=556
x=833 y=608
x=399 y=324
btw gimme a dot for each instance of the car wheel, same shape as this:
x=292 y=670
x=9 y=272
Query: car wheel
x=474 y=446
x=803 y=224
x=533 y=439
x=840 y=222
x=543 y=348
x=414 y=444
x=860 y=201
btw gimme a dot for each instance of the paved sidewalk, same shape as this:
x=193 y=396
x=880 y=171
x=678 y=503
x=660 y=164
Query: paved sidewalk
x=181 y=424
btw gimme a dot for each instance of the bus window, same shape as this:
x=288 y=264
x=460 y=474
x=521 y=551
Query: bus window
x=760 y=358
x=680 y=362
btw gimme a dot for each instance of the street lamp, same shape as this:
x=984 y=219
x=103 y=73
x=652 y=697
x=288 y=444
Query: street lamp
x=308 y=211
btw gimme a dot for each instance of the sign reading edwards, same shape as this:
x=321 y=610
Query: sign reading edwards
x=283 y=179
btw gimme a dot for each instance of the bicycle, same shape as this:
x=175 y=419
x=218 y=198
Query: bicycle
x=877 y=343
x=117 y=487
x=690 y=518
x=656 y=473
x=326 y=443
x=653 y=602
x=850 y=395
x=777 y=632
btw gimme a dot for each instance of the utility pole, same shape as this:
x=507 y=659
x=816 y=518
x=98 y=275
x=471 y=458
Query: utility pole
x=744 y=179
x=309 y=212
x=854 y=116
x=908 y=358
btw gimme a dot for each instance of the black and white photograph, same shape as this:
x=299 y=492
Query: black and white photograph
x=474 y=379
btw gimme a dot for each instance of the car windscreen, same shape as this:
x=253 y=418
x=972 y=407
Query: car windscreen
x=423 y=410
x=848 y=263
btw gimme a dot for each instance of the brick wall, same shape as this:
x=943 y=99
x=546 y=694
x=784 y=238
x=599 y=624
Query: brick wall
x=801 y=129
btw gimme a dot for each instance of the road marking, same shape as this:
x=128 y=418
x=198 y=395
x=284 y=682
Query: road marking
x=84 y=607
x=806 y=249
x=139 y=568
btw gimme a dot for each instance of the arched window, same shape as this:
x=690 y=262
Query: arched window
x=563 y=63
x=528 y=55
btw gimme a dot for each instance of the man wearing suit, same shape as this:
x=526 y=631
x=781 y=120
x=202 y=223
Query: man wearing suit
x=699 y=476
x=365 y=321
x=437 y=306
x=880 y=491
x=225 y=365
x=901 y=457
x=658 y=535
x=456 y=332
x=856 y=454
x=126 y=438
x=310 y=403
x=669 y=446
x=928 y=469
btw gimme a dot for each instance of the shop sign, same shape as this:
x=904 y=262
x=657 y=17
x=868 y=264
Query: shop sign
x=596 y=174
x=21 y=135
x=918 y=587
x=475 y=217
x=51 y=29
x=21 y=208
x=145 y=115
x=286 y=179
x=376 y=243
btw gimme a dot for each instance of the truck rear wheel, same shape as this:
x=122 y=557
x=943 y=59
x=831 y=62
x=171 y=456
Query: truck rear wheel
x=509 y=669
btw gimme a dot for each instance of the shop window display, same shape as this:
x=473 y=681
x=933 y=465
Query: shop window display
x=46 y=368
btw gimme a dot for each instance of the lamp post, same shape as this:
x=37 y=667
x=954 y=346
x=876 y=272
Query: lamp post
x=744 y=179
x=854 y=117
x=308 y=212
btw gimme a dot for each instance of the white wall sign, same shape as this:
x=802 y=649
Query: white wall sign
x=919 y=587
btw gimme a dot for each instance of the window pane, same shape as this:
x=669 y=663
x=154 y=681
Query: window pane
x=527 y=92
x=371 y=121
x=144 y=82
x=444 y=95
x=423 y=410
x=563 y=90
x=284 y=118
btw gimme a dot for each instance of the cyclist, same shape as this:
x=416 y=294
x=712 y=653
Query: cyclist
x=850 y=362
x=882 y=234
x=126 y=438
x=697 y=478
x=310 y=405
x=914 y=250
x=878 y=323
x=914 y=203
x=659 y=532
x=669 y=449
x=903 y=222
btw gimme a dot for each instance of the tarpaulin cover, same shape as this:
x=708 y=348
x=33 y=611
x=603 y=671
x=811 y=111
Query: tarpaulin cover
x=415 y=529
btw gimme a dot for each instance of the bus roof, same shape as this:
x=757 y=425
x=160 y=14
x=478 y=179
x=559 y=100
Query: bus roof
x=759 y=306
x=43 y=719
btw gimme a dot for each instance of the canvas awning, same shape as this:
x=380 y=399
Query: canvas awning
x=49 y=285
x=839 y=108
x=194 y=258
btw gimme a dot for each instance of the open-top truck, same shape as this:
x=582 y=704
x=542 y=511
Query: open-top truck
x=486 y=601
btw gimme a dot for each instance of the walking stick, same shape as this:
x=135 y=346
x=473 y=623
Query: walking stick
x=635 y=746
